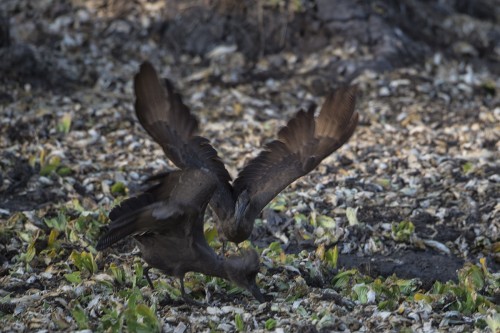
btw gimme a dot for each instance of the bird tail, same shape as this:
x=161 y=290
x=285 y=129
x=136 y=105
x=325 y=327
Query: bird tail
x=122 y=219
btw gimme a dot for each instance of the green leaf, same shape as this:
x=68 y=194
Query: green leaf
x=325 y=221
x=64 y=171
x=467 y=167
x=493 y=322
x=332 y=256
x=112 y=320
x=149 y=317
x=300 y=218
x=139 y=274
x=89 y=262
x=211 y=234
x=74 y=277
x=64 y=124
x=84 y=261
x=278 y=204
x=275 y=248
x=384 y=182
x=438 y=288
x=139 y=317
x=118 y=188
x=118 y=273
x=270 y=324
x=80 y=317
x=59 y=223
x=407 y=286
x=342 y=279
x=47 y=170
x=51 y=242
x=239 y=323
x=472 y=277
x=422 y=297
x=361 y=291
x=30 y=252
x=402 y=231
x=390 y=305
x=49 y=166
x=351 y=214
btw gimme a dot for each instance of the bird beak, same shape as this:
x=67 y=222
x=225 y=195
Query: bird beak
x=255 y=290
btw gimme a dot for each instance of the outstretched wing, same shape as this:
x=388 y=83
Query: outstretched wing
x=168 y=120
x=301 y=145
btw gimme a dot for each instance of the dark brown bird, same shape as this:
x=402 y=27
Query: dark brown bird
x=301 y=145
x=167 y=223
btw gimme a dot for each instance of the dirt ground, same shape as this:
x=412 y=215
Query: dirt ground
x=421 y=172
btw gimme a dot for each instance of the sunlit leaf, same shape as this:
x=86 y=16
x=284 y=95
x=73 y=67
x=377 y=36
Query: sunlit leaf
x=342 y=279
x=332 y=256
x=64 y=171
x=211 y=234
x=471 y=276
x=275 y=247
x=80 y=317
x=239 y=323
x=351 y=214
x=118 y=188
x=361 y=292
x=278 y=204
x=52 y=237
x=84 y=261
x=270 y=324
x=325 y=221
x=59 y=223
x=74 y=277
x=493 y=322
x=64 y=124
x=118 y=273
x=30 y=252
x=467 y=167
x=402 y=231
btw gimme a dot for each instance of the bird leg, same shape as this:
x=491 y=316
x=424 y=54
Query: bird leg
x=146 y=275
x=188 y=299
x=224 y=248
x=224 y=244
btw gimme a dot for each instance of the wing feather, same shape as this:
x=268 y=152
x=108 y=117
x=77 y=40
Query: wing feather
x=301 y=145
x=168 y=120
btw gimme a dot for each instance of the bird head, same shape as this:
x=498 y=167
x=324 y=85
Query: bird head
x=242 y=270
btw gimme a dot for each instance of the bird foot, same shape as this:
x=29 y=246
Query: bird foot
x=188 y=299
x=191 y=301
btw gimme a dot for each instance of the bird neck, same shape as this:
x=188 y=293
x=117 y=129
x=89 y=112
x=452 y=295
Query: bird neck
x=210 y=263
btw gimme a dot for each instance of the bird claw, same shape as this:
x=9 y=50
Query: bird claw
x=188 y=299
x=191 y=301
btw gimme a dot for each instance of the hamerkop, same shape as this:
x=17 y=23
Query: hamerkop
x=167 y=223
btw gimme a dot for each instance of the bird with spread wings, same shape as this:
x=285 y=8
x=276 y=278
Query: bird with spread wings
x=167 y=223
x=301 y=145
